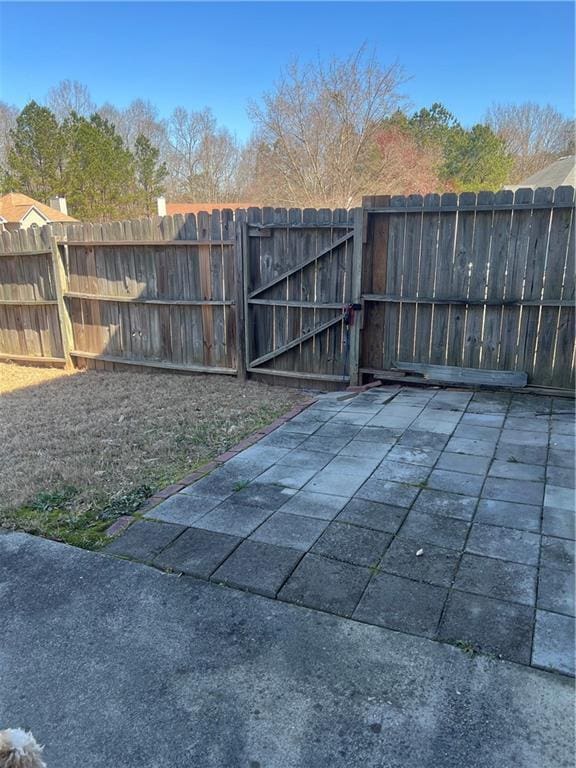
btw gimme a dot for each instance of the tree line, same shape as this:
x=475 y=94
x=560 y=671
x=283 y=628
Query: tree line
x=326 y=134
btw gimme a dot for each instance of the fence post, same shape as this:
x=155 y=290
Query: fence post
x=61 y=285
x=239 y=256
x=356 y=296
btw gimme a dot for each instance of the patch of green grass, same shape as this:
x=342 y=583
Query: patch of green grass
x=50 y=501
x=240 y=485
x=467 y=647
x=60 y=514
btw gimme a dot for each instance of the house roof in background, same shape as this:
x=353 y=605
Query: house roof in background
x=14 y=206
x=560 y=173
x=174 y=208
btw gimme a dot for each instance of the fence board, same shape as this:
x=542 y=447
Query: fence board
x=495 y=280
x=534 y=280
x=410 y=264
x=444 y=261
x=459 y=279
x=426 y=277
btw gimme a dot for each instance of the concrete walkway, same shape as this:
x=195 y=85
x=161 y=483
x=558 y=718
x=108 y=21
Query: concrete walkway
x=112 y=663
x=438 y=513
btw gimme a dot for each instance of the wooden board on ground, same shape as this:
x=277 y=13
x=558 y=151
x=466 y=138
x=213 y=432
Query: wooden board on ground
x=452 y=374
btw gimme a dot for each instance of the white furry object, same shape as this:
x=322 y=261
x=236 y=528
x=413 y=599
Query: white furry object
x=19 y=749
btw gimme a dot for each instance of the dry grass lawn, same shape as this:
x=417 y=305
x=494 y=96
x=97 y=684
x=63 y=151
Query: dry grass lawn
x=79 y=449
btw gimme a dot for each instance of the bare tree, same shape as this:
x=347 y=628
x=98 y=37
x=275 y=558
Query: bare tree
x=8 y=115
x=70 y=96
x=203 y=158
x=534 y=134
x=317 y=130
x=138 y=118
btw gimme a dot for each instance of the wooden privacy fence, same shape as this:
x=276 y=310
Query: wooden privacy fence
x=478 y=281
x=152 y=292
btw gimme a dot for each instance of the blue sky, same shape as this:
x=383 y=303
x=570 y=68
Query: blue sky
x=464 y=54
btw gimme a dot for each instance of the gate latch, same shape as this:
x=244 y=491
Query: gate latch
x=349 y=310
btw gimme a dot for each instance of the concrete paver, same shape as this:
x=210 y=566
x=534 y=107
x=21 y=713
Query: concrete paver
x=197 y=552
x=352 y=544
x=184 y=508
x=402 y=604
x=504 y=543
x=373 y=515
x=257 y=567
x=323 y=506
x=504 y=580
x=513 y=490
x=233 y=518
x=295 y=531
x=145 y=540
x=448 y=504
x=556 y=591
x=558 y=523
x=434 y=565
x=554 y=642
x=326 y=584
x=526 y=517
x=435 y=529
x=495 y=626
x=455 y=482
x=558 y=553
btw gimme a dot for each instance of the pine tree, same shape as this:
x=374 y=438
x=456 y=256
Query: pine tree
x=100 y=171
x=150 y=173
x=35 y=159
x=476 y=160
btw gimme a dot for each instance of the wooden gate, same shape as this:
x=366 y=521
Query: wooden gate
x=297 y=275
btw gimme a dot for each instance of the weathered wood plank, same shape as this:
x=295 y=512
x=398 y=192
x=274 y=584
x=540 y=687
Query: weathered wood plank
x=455 y=374
x=426 y=274
x=495 y=281
x=410 y=269
x=473 y=339
x=443 y=269
x=394 y=260
x=515 y=272
x=534 y=281
x=458 y=281
x=154 y=363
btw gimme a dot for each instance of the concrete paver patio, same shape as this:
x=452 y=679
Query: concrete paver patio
x=441 y=513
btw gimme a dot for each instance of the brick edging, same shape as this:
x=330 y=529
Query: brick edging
x=164 y=493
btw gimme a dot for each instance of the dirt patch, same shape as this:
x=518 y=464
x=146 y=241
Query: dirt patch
x=79 y=449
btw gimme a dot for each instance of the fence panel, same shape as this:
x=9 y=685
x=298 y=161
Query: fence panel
x=29 y=320
x=480 y=281
x=155 y=292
